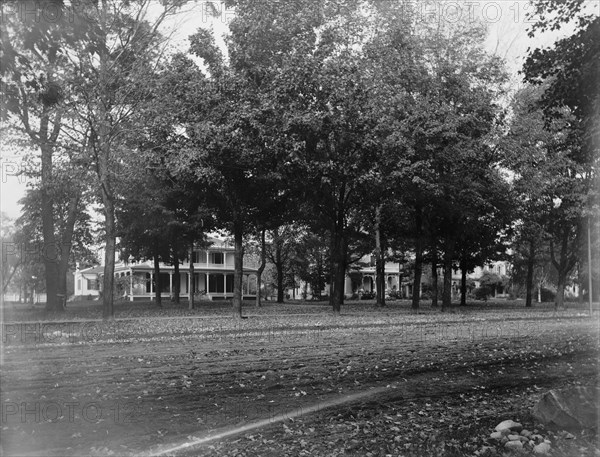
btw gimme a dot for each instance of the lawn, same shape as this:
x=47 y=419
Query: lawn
x=292 y=379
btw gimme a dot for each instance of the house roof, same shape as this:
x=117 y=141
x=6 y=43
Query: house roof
x=148 y=266
x=92 y=270
x=218 y=243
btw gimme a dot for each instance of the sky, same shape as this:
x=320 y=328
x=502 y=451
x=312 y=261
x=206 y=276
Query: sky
x=507 y=21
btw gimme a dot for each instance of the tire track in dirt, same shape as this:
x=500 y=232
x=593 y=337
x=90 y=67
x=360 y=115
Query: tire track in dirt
x=414 y=387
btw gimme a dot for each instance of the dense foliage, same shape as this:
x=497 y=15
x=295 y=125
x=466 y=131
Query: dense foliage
x=334 y=129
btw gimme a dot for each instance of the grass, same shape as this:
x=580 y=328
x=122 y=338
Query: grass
x=91 y=310
x=144 y=321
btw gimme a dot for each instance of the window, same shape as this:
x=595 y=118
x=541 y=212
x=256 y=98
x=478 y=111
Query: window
x=217 y=258
x=229 y=284
x=216 y=283
x=165 y=282
x=199 y=256
x=92 y=284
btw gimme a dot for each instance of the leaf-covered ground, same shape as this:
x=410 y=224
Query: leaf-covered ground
x=91 y=309
x=403 y=384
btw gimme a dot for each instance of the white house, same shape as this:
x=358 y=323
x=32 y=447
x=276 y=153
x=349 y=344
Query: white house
x=397 y=281
x=87 y=281
x=213 y=276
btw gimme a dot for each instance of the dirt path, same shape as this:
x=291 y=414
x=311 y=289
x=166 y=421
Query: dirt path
x=152 y=395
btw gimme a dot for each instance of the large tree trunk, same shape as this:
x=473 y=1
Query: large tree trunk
x=102 y=148
x=563 y=265
x=176 y=274
x=279 y=270
x=434 y=277
x=317 y=285
x=560 y=291
x=50 y=255
x=463 y=282
x=50 y=252
x=176 y=280
x=238 y=236
x=67 y=241
x=338 y=272
x=418 y=257
x=192 y=279
x=109 y=257
x=340 y=279
x=530 y=269
x=580 y=280
x=379 y=261
x=344 y=269
x=157 y=281
x=448 y=257
x=261 y=267
x=6 y=279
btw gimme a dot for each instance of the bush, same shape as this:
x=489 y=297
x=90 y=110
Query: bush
x=395 y=294
x=548 y=295
x=482 y=293
x=367 y=296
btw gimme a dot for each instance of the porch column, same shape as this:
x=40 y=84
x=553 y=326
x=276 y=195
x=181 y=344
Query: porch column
x=171 y=283
x=189 y=291
x=151 y=283
x=130 y=284
x=224 y=284
x=206 y=283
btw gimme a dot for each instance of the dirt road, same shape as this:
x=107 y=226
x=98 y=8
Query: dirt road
x=151 y=395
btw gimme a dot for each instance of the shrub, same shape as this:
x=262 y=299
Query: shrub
x=395 y=294
x=482 y=293
x=367 y=296
x=548 y=295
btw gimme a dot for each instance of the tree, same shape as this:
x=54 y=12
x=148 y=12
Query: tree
x=11 y=255
x=526 y=144
x=440 y=113
x=550 y=183
x=570 y=73
x=35 y=76
x=492 y=281
x=261 y=266
x=142 y=227
x=309 y=261
x=280 y=253
x=73 y=233
x=117 y=54
x=321 y=84
x=221 y=144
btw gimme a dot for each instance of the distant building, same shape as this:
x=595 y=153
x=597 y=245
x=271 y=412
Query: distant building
x=213 y=276
x=400 y=281
x=87 y=281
